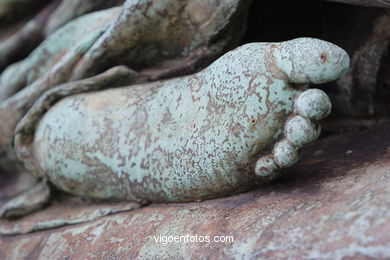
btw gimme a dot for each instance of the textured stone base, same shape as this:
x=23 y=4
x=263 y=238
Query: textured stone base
x=334 y=204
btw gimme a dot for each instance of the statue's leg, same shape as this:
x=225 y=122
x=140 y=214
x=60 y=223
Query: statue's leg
x=301 y=128
x=27 y=202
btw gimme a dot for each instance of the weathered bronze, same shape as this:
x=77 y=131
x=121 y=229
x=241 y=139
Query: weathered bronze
x=158 y=39
x=206 y=135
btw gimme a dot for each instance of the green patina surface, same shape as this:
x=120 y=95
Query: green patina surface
x=186 y=138
x=158 y=39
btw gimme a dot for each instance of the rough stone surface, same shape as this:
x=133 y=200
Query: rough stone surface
x=332 y=205
x=24 y=24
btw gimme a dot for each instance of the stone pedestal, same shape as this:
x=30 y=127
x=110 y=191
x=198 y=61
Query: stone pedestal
x=334 y=204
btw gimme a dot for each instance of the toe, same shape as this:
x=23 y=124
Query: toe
x=285 y=154
x=265 y=166
x=313 y=103
x=300 y=131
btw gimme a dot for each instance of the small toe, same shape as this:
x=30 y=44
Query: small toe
x=300 y=131
x=314 y=104
x=265 y=166
x=285 y=154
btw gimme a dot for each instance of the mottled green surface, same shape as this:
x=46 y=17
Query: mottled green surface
x=158 y=39
x=185 y=138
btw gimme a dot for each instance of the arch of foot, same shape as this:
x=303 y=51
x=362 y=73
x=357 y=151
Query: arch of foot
x=301 y=128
